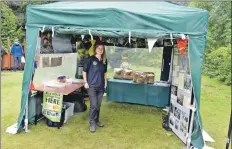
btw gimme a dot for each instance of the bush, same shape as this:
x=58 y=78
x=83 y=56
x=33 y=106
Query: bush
x=218 y=64
x=9 y=25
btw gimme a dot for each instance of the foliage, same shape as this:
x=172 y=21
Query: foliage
x=217 y=53
x=24 y=4
x=9 y=25
x=219 y=29
x=218 y=64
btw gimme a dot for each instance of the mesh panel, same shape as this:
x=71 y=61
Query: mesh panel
x=137 y=59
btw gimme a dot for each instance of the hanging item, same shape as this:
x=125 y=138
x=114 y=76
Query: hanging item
x=82 y=37
x=91 y=49
x=129 y=37
x=182 y=45
x=151 y=42
x=53 y=31
x=90 y=35
x=43 y=29
x=183 y=37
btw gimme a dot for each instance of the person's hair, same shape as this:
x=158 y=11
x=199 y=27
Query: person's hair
x=103 y=56
x=125 y=55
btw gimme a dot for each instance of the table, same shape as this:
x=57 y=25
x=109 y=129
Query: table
x=67 y=89
x=130 y=92
x=35 y=101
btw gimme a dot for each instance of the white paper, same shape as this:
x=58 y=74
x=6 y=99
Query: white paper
x=176 y=68
x=187 y=101
x=174 y=74
x=175 y=60
x=181 y=81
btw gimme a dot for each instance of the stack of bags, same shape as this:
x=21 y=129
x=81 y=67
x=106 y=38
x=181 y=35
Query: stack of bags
x=120 y=73
x=137 y=76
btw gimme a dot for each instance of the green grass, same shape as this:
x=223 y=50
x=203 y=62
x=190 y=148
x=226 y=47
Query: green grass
x=128 y=126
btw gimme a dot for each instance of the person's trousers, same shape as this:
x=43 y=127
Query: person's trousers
x=95 y=96
x=17 y=59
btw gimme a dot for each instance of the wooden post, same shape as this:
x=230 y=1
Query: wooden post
x=8 y=54
x=24 y=47
x=24 y=52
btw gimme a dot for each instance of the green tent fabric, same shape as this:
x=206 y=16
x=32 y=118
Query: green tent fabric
x=142 y=19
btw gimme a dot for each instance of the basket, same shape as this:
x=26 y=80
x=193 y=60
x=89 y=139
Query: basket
x=128 y=74
x=150 y=77
x=118 y=73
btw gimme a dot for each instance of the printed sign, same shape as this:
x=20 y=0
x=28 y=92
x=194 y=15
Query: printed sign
x=181 y=91
x=52 y=106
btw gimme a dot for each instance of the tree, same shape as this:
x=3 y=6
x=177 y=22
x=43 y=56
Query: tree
x=23 y=5
x=218 y=49
x=219 y=29
x=219 y=64
x=9 y=26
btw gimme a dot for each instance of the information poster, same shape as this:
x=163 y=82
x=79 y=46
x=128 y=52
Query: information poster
x=179 y=120
x=181 y=91
x=52 y=106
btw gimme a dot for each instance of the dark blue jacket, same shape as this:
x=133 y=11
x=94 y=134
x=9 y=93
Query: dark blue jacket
x=17 y=50
x=95 y=70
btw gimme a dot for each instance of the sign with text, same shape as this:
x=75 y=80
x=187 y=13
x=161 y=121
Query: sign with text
x=52 y=106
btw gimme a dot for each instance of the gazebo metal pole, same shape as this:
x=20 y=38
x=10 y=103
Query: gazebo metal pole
x=191 y=125
x=229 y=132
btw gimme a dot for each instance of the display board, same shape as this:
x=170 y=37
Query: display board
x=181 y=94
x=52 y=106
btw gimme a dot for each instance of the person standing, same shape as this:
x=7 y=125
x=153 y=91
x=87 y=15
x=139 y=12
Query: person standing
x=46 y=47
x=95 y=77
x=17 y=52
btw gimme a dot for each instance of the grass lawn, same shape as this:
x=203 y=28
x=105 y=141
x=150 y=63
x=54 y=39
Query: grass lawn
x=127 y=126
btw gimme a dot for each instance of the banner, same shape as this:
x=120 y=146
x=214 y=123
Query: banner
x=52 y=106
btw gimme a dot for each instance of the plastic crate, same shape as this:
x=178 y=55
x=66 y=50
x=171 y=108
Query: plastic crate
x=69 y=110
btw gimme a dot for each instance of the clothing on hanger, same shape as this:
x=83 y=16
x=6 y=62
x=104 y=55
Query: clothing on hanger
x=182 y=45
